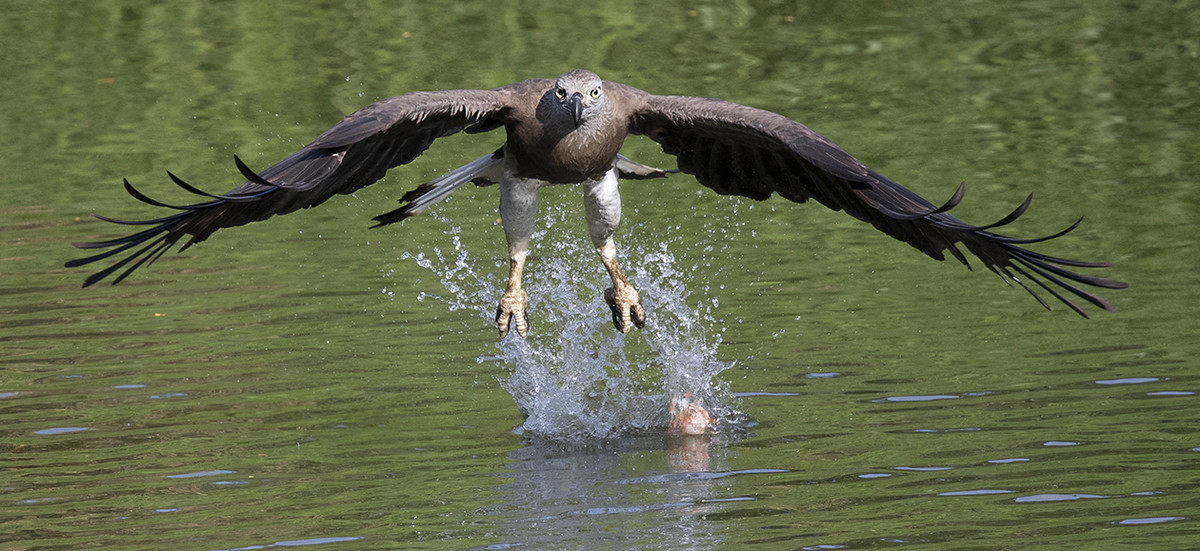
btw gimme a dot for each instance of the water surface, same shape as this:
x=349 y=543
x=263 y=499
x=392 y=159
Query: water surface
x=306 y=382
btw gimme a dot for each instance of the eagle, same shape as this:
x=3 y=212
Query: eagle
x=569 y=131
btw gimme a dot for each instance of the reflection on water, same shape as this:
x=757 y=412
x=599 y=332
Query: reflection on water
x=560 y=488
x=574 y=377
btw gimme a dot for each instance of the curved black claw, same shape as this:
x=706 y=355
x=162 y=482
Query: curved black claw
x=513 y=313
x=626 y=306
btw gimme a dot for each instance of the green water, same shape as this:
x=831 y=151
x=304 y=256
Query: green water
x=307 y=382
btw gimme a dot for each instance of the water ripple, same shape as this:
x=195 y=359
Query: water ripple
x=63 y=430
x=295 y=543
x=928 y=398
x=1043 y=498
x=672 y=477
x=1149 y=520
x=199 y=474
x=1129 y=381
x=984 y=492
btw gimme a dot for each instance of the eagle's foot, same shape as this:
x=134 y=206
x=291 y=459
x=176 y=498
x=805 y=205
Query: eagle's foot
x=626 y=307
x=513 y=308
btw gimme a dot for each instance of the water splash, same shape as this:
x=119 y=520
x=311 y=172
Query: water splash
x=574 y=377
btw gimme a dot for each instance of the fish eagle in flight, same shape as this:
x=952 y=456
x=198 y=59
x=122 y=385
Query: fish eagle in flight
x=570 y=130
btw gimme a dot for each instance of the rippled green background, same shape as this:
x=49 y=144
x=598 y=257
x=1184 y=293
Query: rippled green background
x=297 y=382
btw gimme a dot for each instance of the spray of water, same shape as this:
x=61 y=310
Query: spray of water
x=576 y=378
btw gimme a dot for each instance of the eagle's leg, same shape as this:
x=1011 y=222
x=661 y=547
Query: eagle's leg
x=602 y=204
x=518 y=211
x=622 y=298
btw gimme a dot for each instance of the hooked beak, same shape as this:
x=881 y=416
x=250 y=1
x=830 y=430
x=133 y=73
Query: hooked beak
x=575 y=104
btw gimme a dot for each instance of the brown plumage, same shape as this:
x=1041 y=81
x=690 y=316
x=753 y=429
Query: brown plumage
x=556 y=139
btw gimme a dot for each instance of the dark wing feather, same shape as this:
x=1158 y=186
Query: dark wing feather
x=354 y=153
x=739 y=150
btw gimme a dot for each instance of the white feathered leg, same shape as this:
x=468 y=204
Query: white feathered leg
x=602 y=204
x=518 y=212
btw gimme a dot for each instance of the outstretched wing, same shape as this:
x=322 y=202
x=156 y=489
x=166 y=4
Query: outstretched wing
x=739 y=150
x=353 y=154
